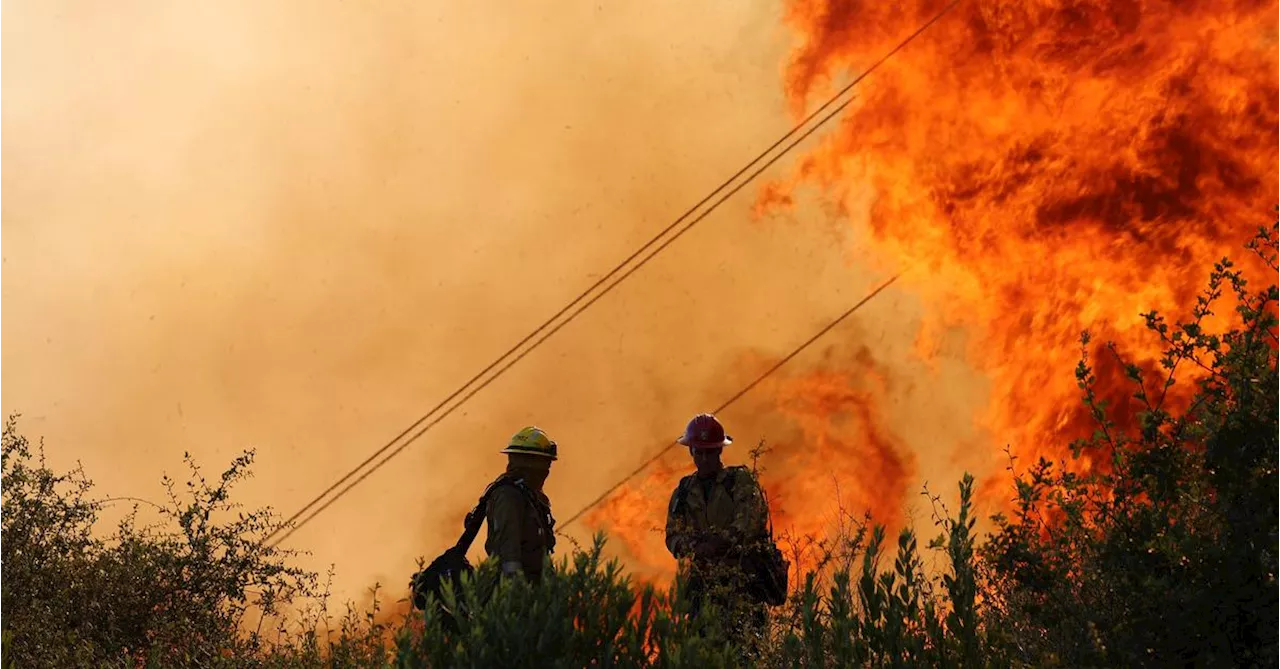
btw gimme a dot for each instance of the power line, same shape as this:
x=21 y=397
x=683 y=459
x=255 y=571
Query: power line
x=553 y=330
x=318 y=510
x=289 y=526
x=736 y=396
x=554 y=317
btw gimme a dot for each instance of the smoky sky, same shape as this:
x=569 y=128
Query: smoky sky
x=295 y=226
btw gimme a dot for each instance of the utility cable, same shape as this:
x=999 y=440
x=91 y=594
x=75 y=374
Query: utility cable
x=289 y=526
x=734 y=398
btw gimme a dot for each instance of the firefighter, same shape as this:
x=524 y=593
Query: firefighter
x=715 y=516
x=521 y=528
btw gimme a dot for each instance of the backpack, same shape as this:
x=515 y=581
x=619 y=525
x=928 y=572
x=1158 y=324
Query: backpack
x=452 y=564
x=767 y=569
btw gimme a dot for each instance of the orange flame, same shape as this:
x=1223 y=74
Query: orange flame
x=1040 y=167
x=1057 y=165
x=839 y=459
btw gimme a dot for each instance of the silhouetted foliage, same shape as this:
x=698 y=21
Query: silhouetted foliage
x=1164 y=553
x=173 y=593
x=585 y=612
x=1155 y=544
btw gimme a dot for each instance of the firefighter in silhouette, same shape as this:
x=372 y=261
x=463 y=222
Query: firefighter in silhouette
x=521 y=528
x=715 y=518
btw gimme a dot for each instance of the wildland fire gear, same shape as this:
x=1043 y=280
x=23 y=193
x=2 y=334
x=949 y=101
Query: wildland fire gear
x=521 y=527
x=531 y=441
x=720 y=524
x=728 y=507
x=453 y=563
x=520 y=523
x=705 y=431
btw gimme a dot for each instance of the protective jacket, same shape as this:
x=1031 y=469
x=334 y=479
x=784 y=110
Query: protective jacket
x=729 y=506
x=521 y=528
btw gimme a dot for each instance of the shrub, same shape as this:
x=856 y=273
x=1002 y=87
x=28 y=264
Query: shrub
x=584 y=613
x=1166 y=553
x=173 y=593
x=1162 y=552
x=899 y=617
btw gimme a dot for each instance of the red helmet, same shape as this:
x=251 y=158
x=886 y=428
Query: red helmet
x=704 y=431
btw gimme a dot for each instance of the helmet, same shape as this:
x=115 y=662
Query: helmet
x=532 y=441
x=704 y=431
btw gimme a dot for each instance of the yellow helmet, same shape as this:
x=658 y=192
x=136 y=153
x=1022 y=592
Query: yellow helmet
x=532 y=441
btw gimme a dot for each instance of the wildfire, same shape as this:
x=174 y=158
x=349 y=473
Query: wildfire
x=839 y=459
x=635 y=513
x=1049 y=167
x=1042 y=167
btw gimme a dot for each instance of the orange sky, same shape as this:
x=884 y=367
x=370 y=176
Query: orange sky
x=295 y=226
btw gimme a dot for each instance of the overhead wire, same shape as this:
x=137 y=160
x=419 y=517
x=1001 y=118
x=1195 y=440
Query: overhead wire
x=734 y=398
x=292 y=524
x=551 y=332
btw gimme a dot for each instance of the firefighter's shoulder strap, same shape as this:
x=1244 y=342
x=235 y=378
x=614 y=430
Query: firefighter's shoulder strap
x=475 y=518
x=686 y=484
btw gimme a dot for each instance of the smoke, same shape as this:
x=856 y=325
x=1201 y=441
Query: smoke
x=295 y=226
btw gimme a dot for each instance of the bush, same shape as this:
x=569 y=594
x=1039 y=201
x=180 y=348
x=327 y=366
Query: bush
x=1156 y=544
x=1165 y=554
x=900 y=617
x=584 y=613
x=175 y=593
